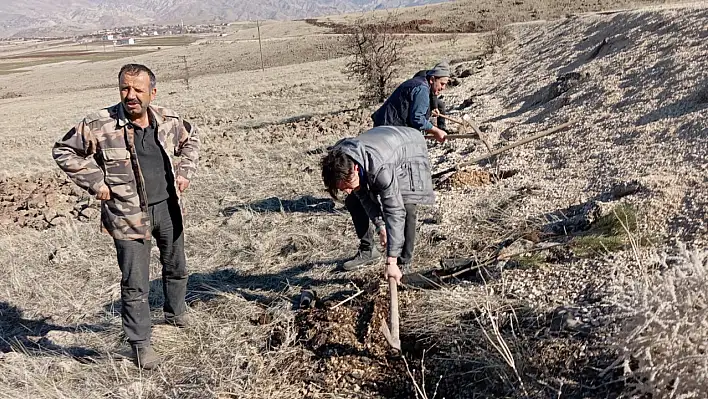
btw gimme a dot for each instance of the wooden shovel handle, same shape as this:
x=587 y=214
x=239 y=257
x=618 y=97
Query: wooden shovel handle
x=393 y=308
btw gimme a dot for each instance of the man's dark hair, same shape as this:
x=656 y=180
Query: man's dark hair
x=336 y=167
x=136 y=69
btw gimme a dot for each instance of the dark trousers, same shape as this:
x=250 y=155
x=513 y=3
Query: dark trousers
x=134 y=262
x=365 y=233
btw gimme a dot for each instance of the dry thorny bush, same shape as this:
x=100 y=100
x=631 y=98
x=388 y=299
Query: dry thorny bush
x=496 y=39
x=665 y=332
x=377 y=53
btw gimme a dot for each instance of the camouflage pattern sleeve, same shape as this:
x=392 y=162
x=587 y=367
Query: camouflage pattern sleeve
x=74 y=155
x=187 y=149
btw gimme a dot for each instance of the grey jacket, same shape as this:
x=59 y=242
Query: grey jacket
x=396 y=169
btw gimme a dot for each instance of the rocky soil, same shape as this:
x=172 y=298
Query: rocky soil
x=42 y=202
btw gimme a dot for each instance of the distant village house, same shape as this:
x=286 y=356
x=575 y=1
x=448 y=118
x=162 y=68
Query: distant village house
x=125 y=41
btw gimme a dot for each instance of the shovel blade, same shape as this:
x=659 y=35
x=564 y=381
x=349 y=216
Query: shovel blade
x=393 y=342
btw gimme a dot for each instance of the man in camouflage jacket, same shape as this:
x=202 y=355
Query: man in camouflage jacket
x=121 y=154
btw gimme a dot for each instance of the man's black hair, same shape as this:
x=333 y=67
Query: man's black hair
x=136 y=69
x=336 y=167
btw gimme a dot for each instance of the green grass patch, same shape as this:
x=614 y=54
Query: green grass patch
x=623 y=218
x=530 y=261
x=609 y=233
x=588 y=245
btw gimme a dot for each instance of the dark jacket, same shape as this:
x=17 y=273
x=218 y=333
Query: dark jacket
x=435 y=103
x=397 y=172
x=408 y=105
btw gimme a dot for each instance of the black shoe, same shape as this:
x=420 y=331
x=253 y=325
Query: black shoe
x=361 y=259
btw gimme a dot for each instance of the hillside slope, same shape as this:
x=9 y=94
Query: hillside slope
x=637 y=90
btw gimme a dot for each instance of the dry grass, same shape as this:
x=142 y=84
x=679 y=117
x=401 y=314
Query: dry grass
x=664 y=334
x=260 y=229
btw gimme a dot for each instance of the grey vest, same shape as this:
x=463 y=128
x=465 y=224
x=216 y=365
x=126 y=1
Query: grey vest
x=395 y=161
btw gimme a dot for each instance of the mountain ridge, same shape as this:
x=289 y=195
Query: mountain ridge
x=70 y=17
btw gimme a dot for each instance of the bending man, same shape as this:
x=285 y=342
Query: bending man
x=388 y=170
x=410 y=105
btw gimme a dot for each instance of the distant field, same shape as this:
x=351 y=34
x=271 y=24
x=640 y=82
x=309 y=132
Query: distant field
x=19 y=63
x=166 y=41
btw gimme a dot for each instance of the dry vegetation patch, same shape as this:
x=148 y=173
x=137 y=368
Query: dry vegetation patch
x=535 y=315
x=663 y=338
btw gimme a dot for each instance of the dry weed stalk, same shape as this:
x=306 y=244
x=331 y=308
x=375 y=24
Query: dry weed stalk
x=496 y=339
x=420 y=392
x=450 y=317
x=663 y=341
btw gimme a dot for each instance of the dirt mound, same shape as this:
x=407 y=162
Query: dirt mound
x=470 y=178
x=42 y=202
x=353 y=355
x=476 y=178
x=349 y=123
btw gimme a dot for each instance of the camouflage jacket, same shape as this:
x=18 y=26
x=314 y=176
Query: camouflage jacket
x=99 y=150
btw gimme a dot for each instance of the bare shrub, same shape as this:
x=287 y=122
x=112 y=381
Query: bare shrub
x=496 y=39
x=377 y=54
x=663 y=340
x=8 y=95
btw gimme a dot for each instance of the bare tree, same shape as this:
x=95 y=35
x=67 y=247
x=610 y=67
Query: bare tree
x=496 y=39
x=377 y=54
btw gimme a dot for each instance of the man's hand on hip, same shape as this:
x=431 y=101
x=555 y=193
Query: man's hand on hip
x=182 y=183
x=103 y=193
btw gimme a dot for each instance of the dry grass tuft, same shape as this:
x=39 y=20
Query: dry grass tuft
x=664 y=334
x=473 y=335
